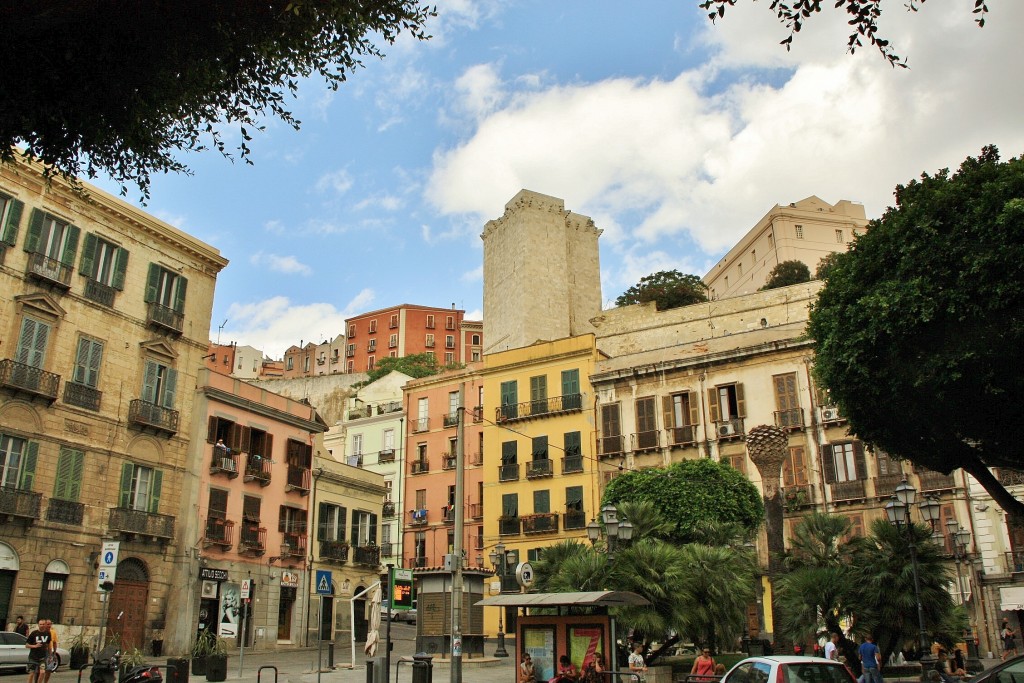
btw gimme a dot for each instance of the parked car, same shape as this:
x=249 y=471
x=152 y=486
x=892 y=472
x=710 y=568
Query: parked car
x=1010 y=671
x=788 y=669
x=14 y=654
x=398 y=616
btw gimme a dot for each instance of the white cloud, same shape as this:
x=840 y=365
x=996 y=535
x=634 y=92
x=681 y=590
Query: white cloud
x=479 y=90
x=475 y=275
x=388 y=202
x=476 y=314
x=280 y=264
x=338 y=182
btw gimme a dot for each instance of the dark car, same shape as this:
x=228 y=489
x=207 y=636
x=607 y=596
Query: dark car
x=1010 y=671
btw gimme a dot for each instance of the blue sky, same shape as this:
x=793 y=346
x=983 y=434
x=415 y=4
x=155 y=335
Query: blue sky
x=673 y=134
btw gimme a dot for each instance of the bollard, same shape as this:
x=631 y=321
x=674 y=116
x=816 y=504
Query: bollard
x=422 y=668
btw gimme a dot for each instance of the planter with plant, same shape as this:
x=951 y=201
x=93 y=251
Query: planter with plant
x=130 y=659
x=202 y=648
x=79 y=650
x=217 y=661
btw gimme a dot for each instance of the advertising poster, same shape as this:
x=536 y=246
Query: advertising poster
x=584 y=641
x=540 y=644
x=230 y=610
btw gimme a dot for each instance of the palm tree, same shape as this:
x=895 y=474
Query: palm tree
x=552 y=558
x=647 y=520
x=717 y=586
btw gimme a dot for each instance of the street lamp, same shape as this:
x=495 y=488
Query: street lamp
x=898 y=512
x=614 y=529
x=961 y=539
x=500 y=564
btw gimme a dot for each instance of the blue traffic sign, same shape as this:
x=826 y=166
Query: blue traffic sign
x=323 y=582
x=108 y=558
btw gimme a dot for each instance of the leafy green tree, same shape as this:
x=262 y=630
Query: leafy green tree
x=690 y=494
x=415 y=365
x=825 y=265
x=718 y=584
x=864 y=16
x=787 y=273
x=112 y=87
x=919 y=327
x=667 y=289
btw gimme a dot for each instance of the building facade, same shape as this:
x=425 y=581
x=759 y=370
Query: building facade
x=405 y=330
x=105 y=318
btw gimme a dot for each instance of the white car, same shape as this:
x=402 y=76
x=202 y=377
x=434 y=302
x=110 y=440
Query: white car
x=398 y=616
x=14 y=654
x=788 y=669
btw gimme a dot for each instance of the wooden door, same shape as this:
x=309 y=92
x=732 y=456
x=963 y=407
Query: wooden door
x=127 y=613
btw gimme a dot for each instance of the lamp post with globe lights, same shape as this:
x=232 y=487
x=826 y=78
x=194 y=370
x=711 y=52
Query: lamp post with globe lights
x=500 y=563
x=615 y=530
x=960 y=540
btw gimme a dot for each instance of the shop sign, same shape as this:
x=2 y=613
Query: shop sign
x=290 y=579
x=210 y=574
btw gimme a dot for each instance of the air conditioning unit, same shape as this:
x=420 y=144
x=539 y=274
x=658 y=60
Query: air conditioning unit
x=726 y=429
x=829 y=414
x=227 y=464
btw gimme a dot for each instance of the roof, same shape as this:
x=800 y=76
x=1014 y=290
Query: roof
x=586 y=599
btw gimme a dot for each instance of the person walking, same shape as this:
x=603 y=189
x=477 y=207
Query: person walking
x=871 y=659
x=38 y=643
x=703 y=668
x=20 y=626
x=831 y=648
x=1009 y=637
x=637 y=665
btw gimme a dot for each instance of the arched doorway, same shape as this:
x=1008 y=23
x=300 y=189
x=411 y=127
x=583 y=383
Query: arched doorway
x=126 y=616
x=9 y=565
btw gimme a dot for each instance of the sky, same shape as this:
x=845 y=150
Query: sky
x=674 y=134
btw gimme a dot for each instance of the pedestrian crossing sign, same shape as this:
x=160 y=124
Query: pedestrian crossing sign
x=323 y=582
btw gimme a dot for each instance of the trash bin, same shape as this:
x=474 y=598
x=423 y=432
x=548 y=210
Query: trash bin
x=422 y=668
x=177 y=670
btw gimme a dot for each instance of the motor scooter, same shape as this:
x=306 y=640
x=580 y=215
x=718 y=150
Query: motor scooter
x=105 y=669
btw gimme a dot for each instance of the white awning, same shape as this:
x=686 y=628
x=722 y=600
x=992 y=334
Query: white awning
x=1011 y=598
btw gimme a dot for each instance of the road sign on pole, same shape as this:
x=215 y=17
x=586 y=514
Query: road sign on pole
x=323 y=582
x=246 y=587
x=108 y=563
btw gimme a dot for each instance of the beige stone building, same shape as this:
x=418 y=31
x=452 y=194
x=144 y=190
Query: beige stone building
x=104 y=321
x=805 y=231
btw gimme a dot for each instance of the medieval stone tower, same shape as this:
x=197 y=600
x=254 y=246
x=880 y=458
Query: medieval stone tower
x=542 y=273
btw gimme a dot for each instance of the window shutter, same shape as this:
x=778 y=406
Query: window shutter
x=307 y=459
x=120 y=268
x=245 y=439
x=354 y=539
x=219 y=501
x=540 y=448
x=508 y=453
x=342 y=520
x=741 y=404
x=694 y=407
x=179 y=294
x=149 y=382
x=154 y=492
x=282 y=518
x=572 y=443
x=510 y=504
x=211 y=430
x=667 y=412
x=170 y=386
x=70 y=246
x=63 y=479
x=35 y=231
x=828 y=463
x=321 y=523
x=269 y=441
x=127 y=471
x=10 y=228
x=82 y=361
x=373 y=529
x=28 y=469
x=77 y=472
x=541 y=502
x=858 y=457
x=95 y=359
x=85 y=264
x=716 y=414
x=152 y=283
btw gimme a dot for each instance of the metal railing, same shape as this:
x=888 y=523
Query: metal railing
x=508 y=526
x=847 y=490
x=449 y=515
x=574 y=519
x=298 y=478
x=253 y=538
x=20 y=377
x=572 y=463
x=19 y=503
x=49 y=269
x=645 y=441
x=420 y=466
x=1011 y=477
x=293 y=544
x=935 y=481
x=508 y=472
x=128 y=521
x=539 y=407
x=610 y=446
x=388 y=510
x=81 y=395
x=166 y=317
x=476 y=510
x=420 y=424
x=686 y=435
x=145 y=414
x=99 y=292
x=334 y=551
x=219 y=531
x=729 y=429
x=542 y=523
x=539 y=468
x=885 y=484
x=223 y=461
x=450 y=419
x=366 y=555
x=257 y=468
x=65 y=511
x=387 y=549
x=448 y=462
x=789 y=419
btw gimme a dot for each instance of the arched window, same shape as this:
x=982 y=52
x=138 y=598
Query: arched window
x=51 y=598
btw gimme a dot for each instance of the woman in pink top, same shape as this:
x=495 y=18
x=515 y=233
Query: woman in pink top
x=703 y=666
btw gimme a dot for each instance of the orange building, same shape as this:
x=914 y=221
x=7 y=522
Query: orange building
x=406 y=330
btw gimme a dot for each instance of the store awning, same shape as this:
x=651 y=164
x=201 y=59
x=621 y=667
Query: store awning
x=1011 y=598
x=587 y=599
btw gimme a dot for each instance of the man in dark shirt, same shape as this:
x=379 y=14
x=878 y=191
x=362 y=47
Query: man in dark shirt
x=20 y=626
x=38 y=643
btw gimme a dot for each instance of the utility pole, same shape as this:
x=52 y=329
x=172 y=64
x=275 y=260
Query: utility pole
x=460 y=485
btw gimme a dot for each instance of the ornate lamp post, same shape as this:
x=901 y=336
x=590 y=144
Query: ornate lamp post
x=960 y=538
x=768 y=446
x=898 y=512
x=614 y=529
x=500 y=564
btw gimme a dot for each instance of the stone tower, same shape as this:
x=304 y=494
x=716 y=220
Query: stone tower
x=542 y=273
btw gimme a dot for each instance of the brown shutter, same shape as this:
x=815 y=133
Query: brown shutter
x=269 y=441
x=245 y=440
x=281 y=526
x=741 y=404
x=858 y=456
x=828 y=463
x=693 y=399
x=235 y=437
x=211 y=430
x=780 y=392
x=667 y=413
x=716 y=414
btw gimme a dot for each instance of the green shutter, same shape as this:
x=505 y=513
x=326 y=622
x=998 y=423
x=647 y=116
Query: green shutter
x=510 y=504
x=570 y=382
x=81 y=361
x=181 y=285
x=28 y=468
x=541 y=502
x=70 y=466
x=321 y=523
x=70 y=246
x=35 y=231
x=10 y=227
x=120 y=268
x=149 y=379
x=77 y=472
x=88 y=260
x=127 y=471
x=152 y=283
x=170 y=386
x=95 y=360
x=154 y=493
x=572 y=444
x=373 y=529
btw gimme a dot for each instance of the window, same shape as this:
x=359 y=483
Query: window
x=786 y=401
x=510 y=505
x=726 y=402
x=350 y=366
x=70 y=468
x=574 y=498
x=571 y=389
x=541 y=502
x=540 y=448
x=509 y=399
x=388 y=438
x=159 y=384
x=420 y=544
x=680 y=410
x=839 y=237
x=305 y=363
x=166 y=288
x=737 y=461
x=611 y=429
x=572 y=444
x=474 y=355
x=51 y=597
x=357 y=444
x=430 y=322
x=794 y=467
x=364 y=528
x=373 y=326
x=370 y=362
x=538 y=394
x=140 y=488
x=449 y=341
x=509 y=452
x=389 y=488
x=103 y=262
x=351 y=331
x=17 y=462
x=394 y=321
x=291 y=520
x=476 y=340
x=392 y=341
x=453 y=403
x=449 y=358
x=10 y=217
x=289 y=363
x=429 y=341
x=431 y=354
x=843 y=461
x=87 y=362
x=32 y=342
x=422 y=412
x=250 y=533
x=886 y=464
x=51 y=237
x=449 y=323
x=799 y=231
x=371 y=345
x=646 y=423
x=421 y=499
x=393 y=354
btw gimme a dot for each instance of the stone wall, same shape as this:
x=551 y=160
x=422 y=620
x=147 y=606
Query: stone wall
x=329 y=394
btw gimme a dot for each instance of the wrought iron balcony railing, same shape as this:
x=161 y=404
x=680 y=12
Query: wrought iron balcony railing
x=252 y=539
x=421 y=424
x=387 y=549
x=65 y=511
x=508 y=526
x=544 y=523
x=141 y=523
x=219 y=531
x=610 y=446
x=298 y=479
x=885 y=484
x=293 y=544
x=572 y=463
x=791 y=420
x=847 y=490
x=448 y=461
x=151 y=416
x=368 y=555
x=539 y=468
x=20 y=378
x=508 y=472
x=449 y=515
x=100 y=293
x=257 y=468
x=48 y=269
x=18 y=503
x=334 y=551
x=223 y=461
x=451 y=419
x=555 y=405
x=574 y=519
x=646 y=441
x=166 y=318
x=935 y=481
x=420 y=466
x=682 y=436
x=388 y=510
x=81 y=395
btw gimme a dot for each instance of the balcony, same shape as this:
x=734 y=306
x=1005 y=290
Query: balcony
x=141 y=523
x=1011 y=477
x=574 y=519
x=726 y=430
x=253 y=539
x=646 y=441
x=388 y=510
x=847 y=490
x=541 y=467
x=219 y=531
x=22 y=505
x=885 y=485
x=224 y=462
x=371 y=346
x=790 y=420
x=1015 y=561
x=476 y=510
x=476 y=459
x=35 y=383
x=448 y=513
x=556 y=405
x=100 y=293
x=165 y=318
x=572 y=463
x=797 y=497
x=83 y=396
x=682 y=436
x=478 y=414
x=334 y=551
x=420 y=466
x=386 y=455
x=387 y=549
x=508 y=472
x=146 y=415
x=48 y=270
x=508 y=526
x=421 y=424
x=368 y=555
x=293 y=544
x=935 y=481
x=257 y=468
x=419 y=561
x=65 y=511
x=448 y=461
x=610 y=446
x=451 y=419
x=543 y=523
x=298 y=479
x=419 y=517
